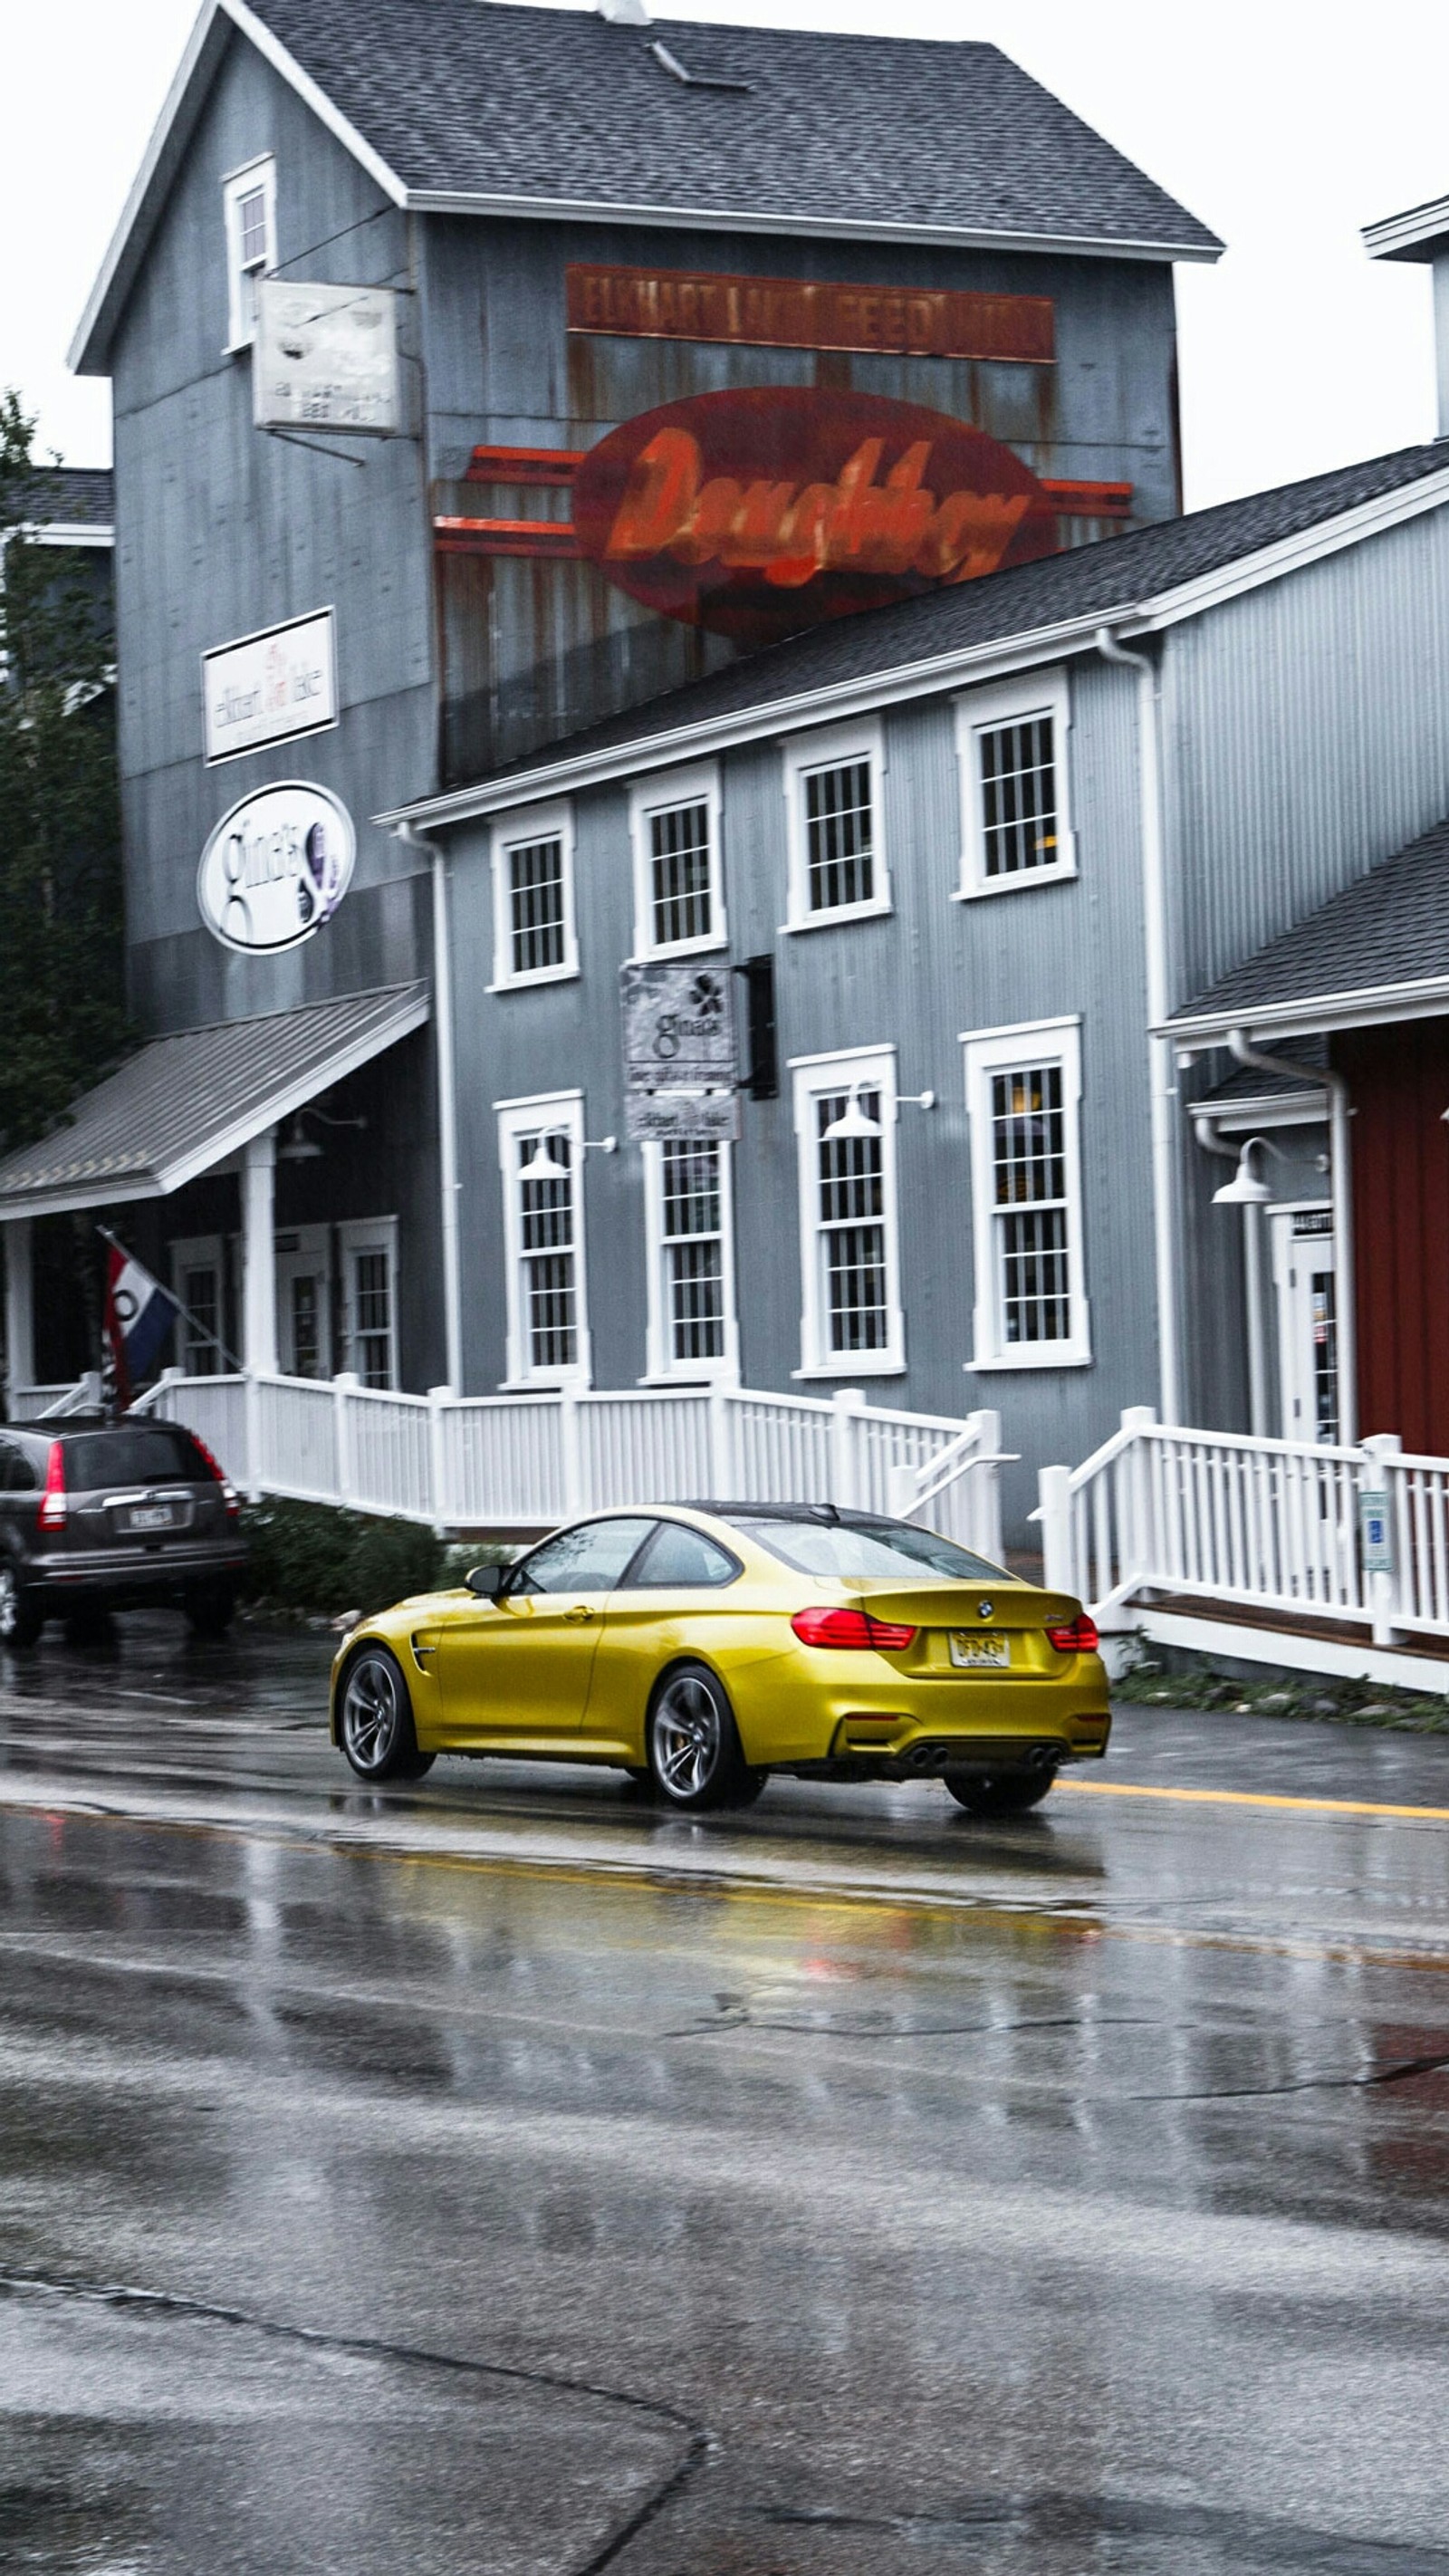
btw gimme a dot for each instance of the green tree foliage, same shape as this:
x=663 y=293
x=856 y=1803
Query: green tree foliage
x=62 y=998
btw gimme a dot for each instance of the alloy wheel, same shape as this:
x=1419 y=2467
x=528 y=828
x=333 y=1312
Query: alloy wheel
x=687 y=1736
x=371 y=1713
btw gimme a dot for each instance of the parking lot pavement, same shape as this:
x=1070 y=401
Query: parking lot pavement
x=497 y=2174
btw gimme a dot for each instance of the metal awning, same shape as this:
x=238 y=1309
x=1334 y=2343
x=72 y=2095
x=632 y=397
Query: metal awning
x=187 y=1102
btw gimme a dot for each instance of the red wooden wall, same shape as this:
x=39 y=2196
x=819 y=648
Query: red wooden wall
x=1399 y=1086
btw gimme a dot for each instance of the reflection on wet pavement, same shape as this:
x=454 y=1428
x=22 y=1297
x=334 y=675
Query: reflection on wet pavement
x=901 y=2192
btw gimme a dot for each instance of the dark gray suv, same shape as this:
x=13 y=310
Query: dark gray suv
x=113 y=1516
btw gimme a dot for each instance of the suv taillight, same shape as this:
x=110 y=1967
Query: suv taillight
x=52 y=1512
x=1080 y=1638
x=851 y=1628
x=229 y=1494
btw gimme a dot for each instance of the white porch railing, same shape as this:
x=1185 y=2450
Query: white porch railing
x=1271 y=1524
x=533 y=1459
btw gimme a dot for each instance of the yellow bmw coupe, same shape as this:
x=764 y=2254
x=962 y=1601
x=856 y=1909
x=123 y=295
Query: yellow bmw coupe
x=701 y=1649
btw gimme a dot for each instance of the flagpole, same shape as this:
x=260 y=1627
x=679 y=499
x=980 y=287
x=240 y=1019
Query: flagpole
x=194 y=1321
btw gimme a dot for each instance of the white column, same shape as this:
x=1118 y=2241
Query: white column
x=259 y=1260
x=19 y=1306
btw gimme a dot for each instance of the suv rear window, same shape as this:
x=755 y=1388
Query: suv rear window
x=866 y=1551
x=142 y=1453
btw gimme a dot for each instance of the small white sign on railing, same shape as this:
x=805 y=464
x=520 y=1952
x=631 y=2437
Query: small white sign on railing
x=1376 y=1533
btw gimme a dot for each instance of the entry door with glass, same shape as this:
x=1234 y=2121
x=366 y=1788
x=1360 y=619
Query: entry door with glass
x=304 y=1302
x=1303 y=1279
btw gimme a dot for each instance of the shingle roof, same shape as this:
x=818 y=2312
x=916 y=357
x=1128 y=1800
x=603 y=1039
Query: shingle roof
x=1390 y=927
x=72 y=496
x=186 y=1100
x=474 y=98
x=1105 y=581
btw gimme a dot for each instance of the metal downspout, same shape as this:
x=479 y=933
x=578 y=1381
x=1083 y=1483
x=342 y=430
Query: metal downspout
x=1341 y=1188
x=447 y=1101
x=1162 y=1085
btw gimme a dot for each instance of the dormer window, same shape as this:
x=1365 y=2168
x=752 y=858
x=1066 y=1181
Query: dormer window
x=249 y=204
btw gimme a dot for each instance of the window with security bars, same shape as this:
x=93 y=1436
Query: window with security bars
x=1019 y=819
x=1032 y=1206
x=681 y=892
x=537 y=906
x=372 y=1318
x=548 y=1260
x=692 y=1250
x=839 y=836
x=851 y=1221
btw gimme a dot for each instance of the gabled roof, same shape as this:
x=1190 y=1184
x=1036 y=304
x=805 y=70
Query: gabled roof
x=1149 y=578
x=1377 y=951
x=185 y=1102
x=72 y=496
x=483 y=106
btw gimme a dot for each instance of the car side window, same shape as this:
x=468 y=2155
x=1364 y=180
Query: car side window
x=590 y=1558
x=682 y=1557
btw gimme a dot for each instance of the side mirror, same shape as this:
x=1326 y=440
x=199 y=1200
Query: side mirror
x=486 y=1581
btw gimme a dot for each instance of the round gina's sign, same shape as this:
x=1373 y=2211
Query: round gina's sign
x=763 y=510
x=276 y=867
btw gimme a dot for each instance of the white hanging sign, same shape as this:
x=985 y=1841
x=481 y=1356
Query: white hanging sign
x=276 y=867
x=325 y=357
x=680 y=1073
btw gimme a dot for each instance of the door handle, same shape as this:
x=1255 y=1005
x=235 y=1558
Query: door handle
x=579 y=1614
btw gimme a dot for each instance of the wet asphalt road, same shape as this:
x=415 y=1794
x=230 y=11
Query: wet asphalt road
x=497 y=2175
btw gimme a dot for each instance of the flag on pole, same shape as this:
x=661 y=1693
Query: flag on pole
x=139 y=1315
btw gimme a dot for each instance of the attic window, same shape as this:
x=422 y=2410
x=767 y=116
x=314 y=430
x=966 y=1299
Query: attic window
x=693 y=80
x=249 y=207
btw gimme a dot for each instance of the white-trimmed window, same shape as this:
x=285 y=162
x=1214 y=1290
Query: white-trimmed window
x=674 y=824
x=689 y=1216
x=845 y=1126
x=837 y=856
x=198 y=1273
x=1012 y=752
x=368 y=1250
x=541 y=1154
x=249 y=207
x=534 y=937
x=1023 y=1094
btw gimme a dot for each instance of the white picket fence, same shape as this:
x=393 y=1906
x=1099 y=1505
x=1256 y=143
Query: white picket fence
x=1271 y=1524
x=534 y=1459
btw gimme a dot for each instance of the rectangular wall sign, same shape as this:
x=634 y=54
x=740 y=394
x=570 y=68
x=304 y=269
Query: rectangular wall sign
x=796 y=313
x=325 y=357
x=269 y=687
x=680 y=1066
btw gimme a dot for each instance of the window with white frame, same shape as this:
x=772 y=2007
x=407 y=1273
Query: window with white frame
x=534 y=940
x=837 y=852
x=249 y=207
x=678 y=880
x=197 y=1272
x=541 y=1152
x=845 y=1125
x=692 y=1332
x=1023 y=1090
x=368 y=1247
x=1011 y=746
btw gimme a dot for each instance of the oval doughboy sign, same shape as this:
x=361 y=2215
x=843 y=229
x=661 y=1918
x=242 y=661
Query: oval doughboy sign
x=276 y=867
x=763 y=510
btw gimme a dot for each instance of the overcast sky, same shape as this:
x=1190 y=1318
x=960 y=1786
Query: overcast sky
x=1284 y=125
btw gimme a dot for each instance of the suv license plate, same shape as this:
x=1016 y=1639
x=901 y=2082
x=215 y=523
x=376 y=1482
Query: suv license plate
x=975 y=1649
x=147 y=1516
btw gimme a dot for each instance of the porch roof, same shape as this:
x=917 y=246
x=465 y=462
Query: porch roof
x=185 y=1102
x=1377 y=951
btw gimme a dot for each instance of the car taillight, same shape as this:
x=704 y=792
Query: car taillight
x=51 y=1515
x=850 y=1628
x=229 y=1494
x=1079 y=1638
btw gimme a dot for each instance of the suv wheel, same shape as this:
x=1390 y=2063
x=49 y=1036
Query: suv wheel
x=375 y=1724
x=694 y=1746
x=21 y=1620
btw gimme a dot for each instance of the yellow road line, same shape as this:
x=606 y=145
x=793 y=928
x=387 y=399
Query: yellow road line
x=1254 y=1798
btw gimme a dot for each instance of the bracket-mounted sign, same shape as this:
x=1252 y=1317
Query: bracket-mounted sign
x=680 y=1067
x=325 y=357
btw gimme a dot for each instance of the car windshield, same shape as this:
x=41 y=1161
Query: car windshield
x=860 y=1551
x=139 y=1454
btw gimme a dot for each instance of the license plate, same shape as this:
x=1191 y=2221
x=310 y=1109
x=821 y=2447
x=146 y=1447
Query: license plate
x=145 y=1516
x=975 y=1649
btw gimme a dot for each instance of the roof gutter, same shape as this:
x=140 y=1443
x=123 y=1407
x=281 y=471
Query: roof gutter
x=1308 y=1015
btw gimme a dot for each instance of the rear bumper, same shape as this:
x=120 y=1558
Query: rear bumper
x=125 y=1578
